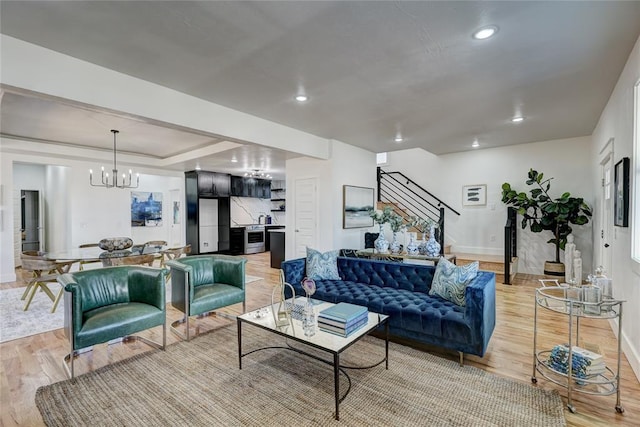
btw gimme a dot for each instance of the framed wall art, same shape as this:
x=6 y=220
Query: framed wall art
x=474 y=195
x=146 y=209
x=621 y=200
x=357 y=202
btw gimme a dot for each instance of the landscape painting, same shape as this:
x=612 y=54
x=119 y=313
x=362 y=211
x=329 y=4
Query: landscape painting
x=357 y=202
x=146 y=209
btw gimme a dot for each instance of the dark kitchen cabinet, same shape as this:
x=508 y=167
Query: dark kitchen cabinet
x=237 y=186
x=250 y=187
x=213 y=184
x=237 y=241
x=200 y=187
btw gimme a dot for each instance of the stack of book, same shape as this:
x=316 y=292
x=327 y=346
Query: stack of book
x=584 y=363
x=343 y=318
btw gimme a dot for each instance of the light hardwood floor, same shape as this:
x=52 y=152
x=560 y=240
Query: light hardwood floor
x=28 y=363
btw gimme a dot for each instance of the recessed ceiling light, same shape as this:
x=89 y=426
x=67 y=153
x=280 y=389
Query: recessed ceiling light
x=234 y=160
x=398 y=139
x=517 y=119
x=302 y=98
x=475 y=144
x=198 y=168
x=485 y=32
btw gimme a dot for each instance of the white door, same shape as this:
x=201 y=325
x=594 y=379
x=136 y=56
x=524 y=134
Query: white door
x=606 y=224
x=176 y=218
x=306 y=214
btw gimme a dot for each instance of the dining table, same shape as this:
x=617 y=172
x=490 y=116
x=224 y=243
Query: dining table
x=94 y=253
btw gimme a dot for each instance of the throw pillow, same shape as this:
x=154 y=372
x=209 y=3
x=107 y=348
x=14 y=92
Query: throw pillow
x=450 y=281
x=322 y=266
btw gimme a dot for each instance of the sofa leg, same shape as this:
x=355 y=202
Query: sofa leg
x=461 y=358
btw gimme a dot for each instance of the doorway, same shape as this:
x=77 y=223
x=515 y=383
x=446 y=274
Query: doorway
x=30 y=229
x=306 y=214
x=606 y=207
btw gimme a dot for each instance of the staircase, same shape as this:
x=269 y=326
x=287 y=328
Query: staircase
x=493 y=263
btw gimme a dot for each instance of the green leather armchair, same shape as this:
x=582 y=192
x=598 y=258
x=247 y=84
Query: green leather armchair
x=113 y=302
x=204 y=283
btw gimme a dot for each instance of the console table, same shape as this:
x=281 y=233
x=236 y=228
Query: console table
x=372 y=253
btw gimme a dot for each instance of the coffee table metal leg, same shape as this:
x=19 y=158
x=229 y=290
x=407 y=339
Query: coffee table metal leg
x=386 y=344
x=239 y=344
x=336 y=380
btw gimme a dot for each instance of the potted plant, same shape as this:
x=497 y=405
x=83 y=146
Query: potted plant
x=423 y=226
x=396 y=223
x=541 y=212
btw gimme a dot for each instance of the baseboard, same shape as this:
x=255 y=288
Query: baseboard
x=476 y=250
x=8 y=278
x=627 y=348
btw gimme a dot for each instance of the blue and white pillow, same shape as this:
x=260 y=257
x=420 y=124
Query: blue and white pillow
x=450 y=281
x=322 y=266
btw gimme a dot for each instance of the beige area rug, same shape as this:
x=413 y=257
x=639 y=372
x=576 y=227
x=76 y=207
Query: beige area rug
x=198 y=383
x=16 y=323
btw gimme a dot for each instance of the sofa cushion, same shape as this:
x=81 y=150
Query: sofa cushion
x=409 y=310
x=450 y=281
x=115 y=321
x=322 y=266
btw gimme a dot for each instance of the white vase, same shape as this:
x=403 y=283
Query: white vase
x=433 y=247
x=395 y=245
x=412 y=247
x=422 y=247
x=381 y=244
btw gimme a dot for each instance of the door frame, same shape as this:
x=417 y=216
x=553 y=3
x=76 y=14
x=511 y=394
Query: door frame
x=606 y=234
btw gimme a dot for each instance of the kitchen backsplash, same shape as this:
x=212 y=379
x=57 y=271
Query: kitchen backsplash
x=247 y=210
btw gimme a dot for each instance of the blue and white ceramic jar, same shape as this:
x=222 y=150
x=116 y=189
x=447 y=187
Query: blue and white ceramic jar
x=432 y=247
x=381 y=244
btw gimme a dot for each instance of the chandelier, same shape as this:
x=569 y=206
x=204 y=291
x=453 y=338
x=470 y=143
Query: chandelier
x=114 y=180
x=257 y=173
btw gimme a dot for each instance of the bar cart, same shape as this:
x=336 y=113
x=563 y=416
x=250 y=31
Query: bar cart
x=575 y=304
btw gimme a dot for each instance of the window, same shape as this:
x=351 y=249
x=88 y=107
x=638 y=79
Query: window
x=381 y=159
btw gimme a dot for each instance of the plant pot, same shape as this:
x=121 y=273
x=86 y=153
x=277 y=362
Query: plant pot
x=552 y=268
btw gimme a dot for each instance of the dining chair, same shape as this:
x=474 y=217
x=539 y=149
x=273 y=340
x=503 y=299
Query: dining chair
x=173 y=253
x=43 y=271
x=147 y=259
x=156 y=245
x=83 y=262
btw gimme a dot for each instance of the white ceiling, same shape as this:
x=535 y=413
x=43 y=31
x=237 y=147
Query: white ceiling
x=371 y=69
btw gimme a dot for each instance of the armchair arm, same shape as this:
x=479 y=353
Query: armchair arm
x=73 y=305
x=480 y=297
x=229 y=270
x=147 y=285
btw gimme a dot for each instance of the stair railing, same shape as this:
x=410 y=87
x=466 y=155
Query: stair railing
x=510 y=243
x=398 y=189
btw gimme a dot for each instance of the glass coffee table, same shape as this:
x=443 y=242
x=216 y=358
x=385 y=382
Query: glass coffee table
x=330 y=343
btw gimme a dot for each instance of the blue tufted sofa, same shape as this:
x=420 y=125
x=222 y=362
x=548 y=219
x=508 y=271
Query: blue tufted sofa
x=402 y=291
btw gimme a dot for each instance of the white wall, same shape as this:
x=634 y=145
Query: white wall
x=480 y=229
x=616 y=122
x=348 y=166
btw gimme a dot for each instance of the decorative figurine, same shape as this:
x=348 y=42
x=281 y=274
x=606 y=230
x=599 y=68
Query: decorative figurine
x=569 y=249
x=282 y=315
x=577 y=267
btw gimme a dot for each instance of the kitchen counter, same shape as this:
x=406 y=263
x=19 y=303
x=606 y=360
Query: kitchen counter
x=269 y=228
x=277 y=247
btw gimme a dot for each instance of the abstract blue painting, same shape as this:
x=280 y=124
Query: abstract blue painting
x=146 y=209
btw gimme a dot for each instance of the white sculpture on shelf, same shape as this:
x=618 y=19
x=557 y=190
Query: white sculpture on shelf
x=569 y=249
x=577 y=267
